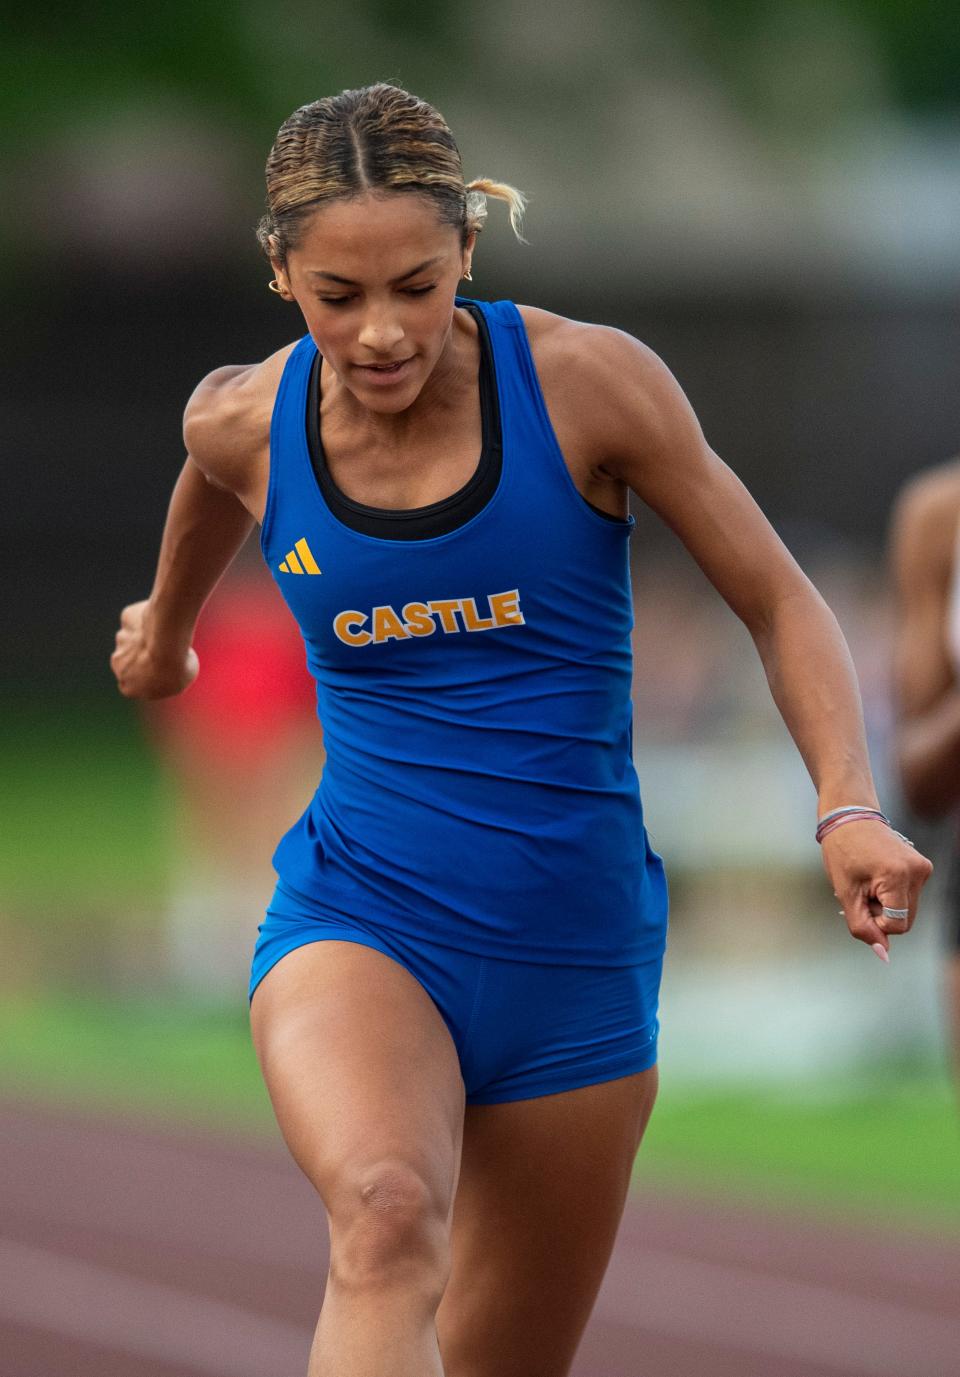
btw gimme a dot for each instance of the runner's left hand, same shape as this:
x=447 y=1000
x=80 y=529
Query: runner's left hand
x=870 y=869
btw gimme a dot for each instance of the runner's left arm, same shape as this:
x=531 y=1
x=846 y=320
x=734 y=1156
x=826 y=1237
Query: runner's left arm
x=656 y=446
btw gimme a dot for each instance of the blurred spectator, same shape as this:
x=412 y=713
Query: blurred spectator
x=925 y=550
x=243 y=751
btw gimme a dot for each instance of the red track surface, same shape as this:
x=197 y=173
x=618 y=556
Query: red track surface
x=127 y=1252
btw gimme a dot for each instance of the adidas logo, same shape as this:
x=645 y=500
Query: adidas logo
x=305 y=564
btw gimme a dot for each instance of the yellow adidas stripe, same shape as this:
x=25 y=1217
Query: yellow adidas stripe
x=284 y=568
x=294 y=563
x=305 y=553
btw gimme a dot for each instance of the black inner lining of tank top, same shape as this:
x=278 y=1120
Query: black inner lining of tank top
x=417 y=523
x=438 y=518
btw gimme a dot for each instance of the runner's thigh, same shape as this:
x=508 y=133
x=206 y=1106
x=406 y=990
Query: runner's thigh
x=361 y=1069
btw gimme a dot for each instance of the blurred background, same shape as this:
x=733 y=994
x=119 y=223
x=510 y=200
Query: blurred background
x=767 y=193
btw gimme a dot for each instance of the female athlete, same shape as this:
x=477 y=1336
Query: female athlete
x=454 y=991
x=925 y=548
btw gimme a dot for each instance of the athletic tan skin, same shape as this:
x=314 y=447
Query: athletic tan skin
x=472 y=1241
x=923 y=550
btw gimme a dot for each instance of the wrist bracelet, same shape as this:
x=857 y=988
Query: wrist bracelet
x=836 y=818
x=849 y=808
x=872 y=816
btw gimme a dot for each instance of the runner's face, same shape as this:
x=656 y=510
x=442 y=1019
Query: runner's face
x=375 y=278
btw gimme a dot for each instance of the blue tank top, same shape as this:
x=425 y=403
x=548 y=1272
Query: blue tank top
x=474 y=691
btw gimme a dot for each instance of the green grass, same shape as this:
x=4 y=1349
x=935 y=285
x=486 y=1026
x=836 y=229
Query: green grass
x=889 y=1149
x=83 y=810
x=173 y=1062
x=886 y=1152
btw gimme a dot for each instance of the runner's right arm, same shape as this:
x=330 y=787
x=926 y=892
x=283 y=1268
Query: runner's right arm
x=208 y=520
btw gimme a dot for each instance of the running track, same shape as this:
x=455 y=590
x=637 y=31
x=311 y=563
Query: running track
x=130 y=1252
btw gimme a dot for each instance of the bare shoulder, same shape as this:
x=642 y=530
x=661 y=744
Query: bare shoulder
x=600 y=350
x=226 y=424
x=644 y=411
x=925 y=516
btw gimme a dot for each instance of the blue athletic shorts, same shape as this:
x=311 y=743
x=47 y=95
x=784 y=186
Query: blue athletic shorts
x=521 y=1029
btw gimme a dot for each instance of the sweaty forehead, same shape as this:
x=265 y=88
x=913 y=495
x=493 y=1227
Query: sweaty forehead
x=373 y=238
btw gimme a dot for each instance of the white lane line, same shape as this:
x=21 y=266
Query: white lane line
x=662 y=1292
x=83 y=1301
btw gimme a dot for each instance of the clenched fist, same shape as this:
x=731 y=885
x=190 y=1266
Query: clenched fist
x=143 y=668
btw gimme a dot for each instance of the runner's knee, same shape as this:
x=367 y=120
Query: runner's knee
x=388 y=1226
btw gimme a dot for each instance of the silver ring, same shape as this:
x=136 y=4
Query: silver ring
x=900 y=914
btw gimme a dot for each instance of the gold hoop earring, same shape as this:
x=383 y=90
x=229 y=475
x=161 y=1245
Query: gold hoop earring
x=468 y=276
x=275 y=287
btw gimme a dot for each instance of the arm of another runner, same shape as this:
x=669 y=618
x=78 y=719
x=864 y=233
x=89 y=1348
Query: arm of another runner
x=208 y=520
x=923 y=540
x=653 y=443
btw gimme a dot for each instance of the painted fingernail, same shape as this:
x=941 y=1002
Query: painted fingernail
x=882 y=952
